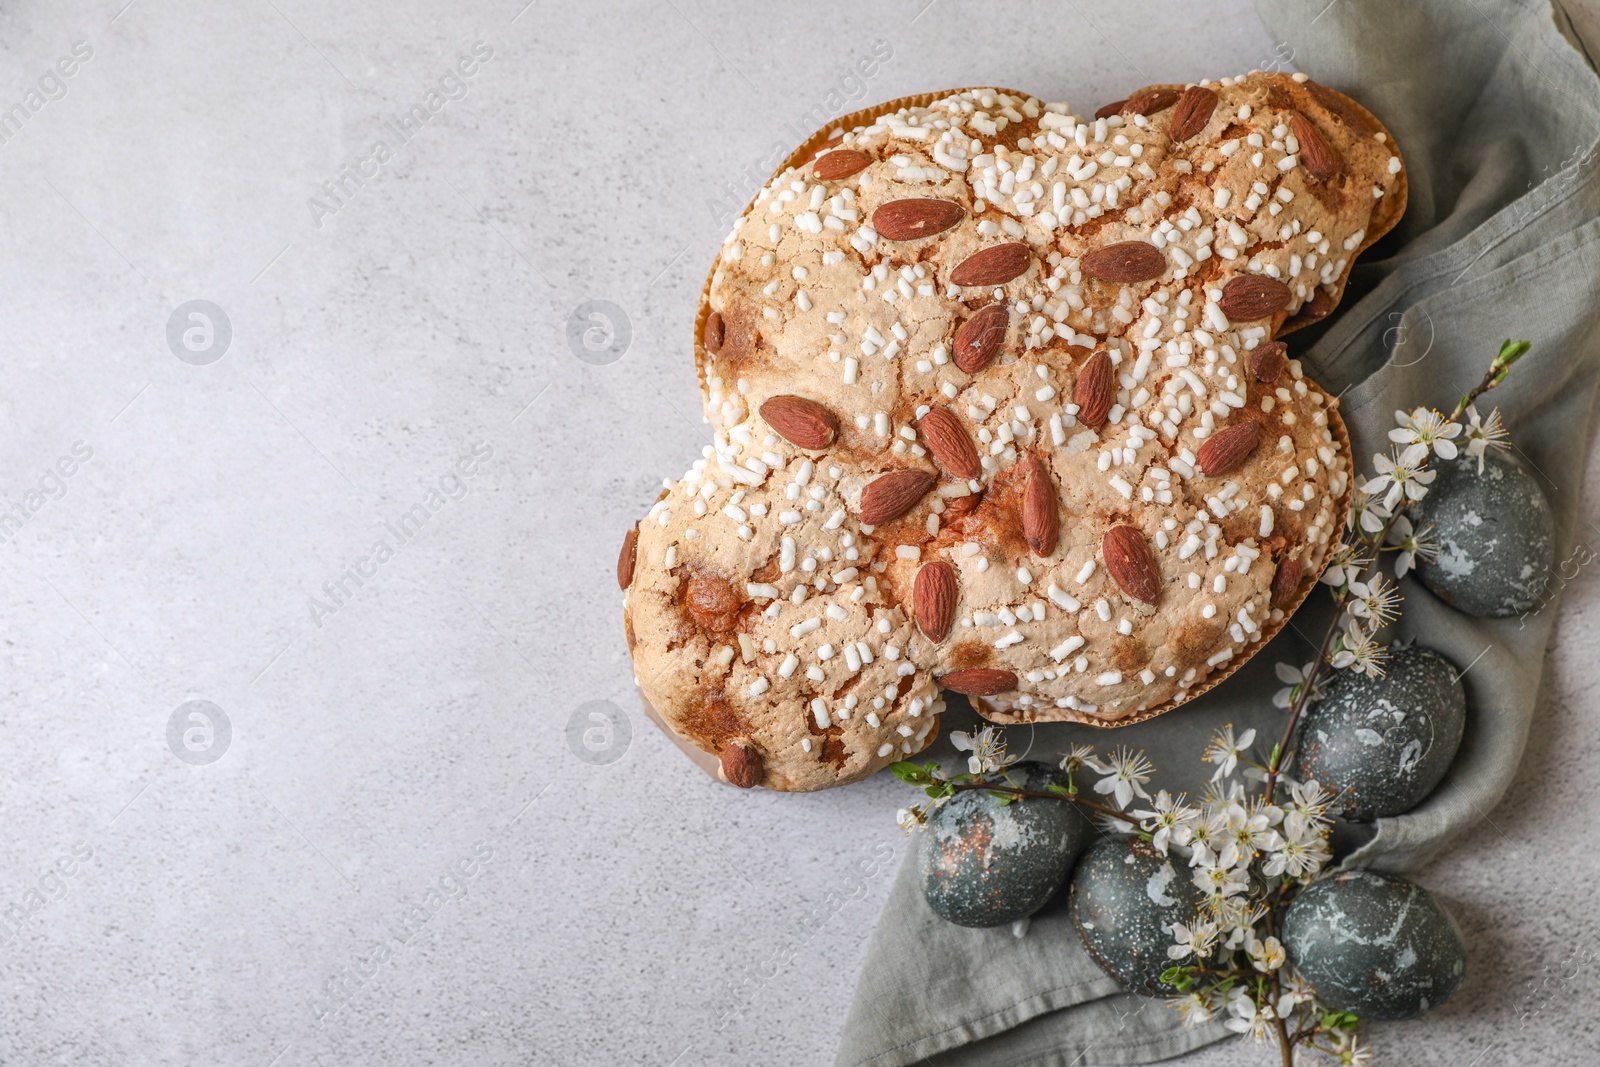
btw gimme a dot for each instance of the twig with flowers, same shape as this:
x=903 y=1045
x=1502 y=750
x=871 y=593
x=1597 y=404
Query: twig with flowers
x=1366 y=601
x=1126 y=772
x=1252 y=851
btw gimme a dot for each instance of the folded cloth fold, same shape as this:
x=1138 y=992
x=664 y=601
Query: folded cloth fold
x=1498 y=112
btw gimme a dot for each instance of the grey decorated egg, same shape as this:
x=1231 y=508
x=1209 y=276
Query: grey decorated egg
x=1126 y=897
x=1382 y=744
x=1374 y=944
x=1496 y=536
x=984 y=863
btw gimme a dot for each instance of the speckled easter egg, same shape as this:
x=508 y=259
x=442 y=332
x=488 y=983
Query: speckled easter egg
x=1374 y=944
x=1125 y=898
x=1382 y=744
x=1496 y=536
x=984 y=863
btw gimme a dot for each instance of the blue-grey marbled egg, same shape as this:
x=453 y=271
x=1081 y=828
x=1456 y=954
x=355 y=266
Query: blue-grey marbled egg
x=1374 y=944
x=1382 y=744
x=1496 y=535
x=984 y=863
x=1125 y=898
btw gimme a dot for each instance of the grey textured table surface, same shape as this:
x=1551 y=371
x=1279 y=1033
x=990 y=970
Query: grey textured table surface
x=410 y=843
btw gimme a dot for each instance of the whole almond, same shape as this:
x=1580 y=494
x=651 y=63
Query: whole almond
x=891 y=495
x=933 y=600
x=1227 y=449
x=978 y=681
x=741 y=764
x=1192 y=112
x=1095 y=390
x=1316 y=155
x=950 y=443
x=1269 y=361
x=712 y=337
x=802 y=422
x=995 y=265
x=909 y=220
x=626 y=558
x=980 y=337
x=1107 y=110
x=1149 y=102
x=1286 y=581
x=1247 y=297
x=840 y=163
x=1041 y=512
x=960 y=505
x=1125 y=263
x=1319 y=305
x=1131 y=564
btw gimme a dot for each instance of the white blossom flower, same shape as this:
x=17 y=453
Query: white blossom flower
x=1260 y=805
x=1248 y=833
x=1171 y=823
x=1484 y=434
x=988 y=748
x=1080 y=755
x=1198 y=1007
x=1125 y=773
x=1359 y=650
x=1255 y=1021
x=1345 y=564
x=1307 y=808
x=1265 y=956
x=1205 y=837
x=1295 y=993
x=1224 y=750
x=1367 y=512
x=1295 y=679
x=1192 y=941
x=1413 y=544
x=1221 y=798
x=913 y=818
x=1355 y=1055
x=1428 y=428
x=1299 y=855
x=1231 y=913
x=1220 y=881
x=1401 y=476
x=1109 y=825
x=1376 y=600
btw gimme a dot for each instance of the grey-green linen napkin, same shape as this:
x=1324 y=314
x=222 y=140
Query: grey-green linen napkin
x=1497 y=112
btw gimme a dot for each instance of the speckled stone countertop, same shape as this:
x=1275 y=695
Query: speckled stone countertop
x=309 y=585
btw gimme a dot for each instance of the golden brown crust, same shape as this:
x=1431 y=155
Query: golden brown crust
x=1355 y=120
x=845 y=289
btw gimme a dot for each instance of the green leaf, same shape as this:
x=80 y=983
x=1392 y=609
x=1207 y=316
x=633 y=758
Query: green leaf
x=1058 y=789
x=909 y=772
x=1339 y=1020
